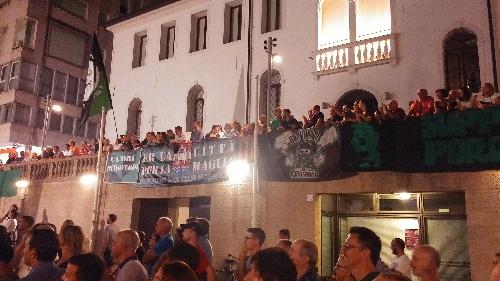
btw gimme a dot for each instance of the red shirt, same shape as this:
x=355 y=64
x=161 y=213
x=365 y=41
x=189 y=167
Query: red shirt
x=423 y=107
x=202 y=265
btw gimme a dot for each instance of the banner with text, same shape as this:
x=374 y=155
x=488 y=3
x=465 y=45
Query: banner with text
x=194 y=162
x=454 y=141
x=123 y=167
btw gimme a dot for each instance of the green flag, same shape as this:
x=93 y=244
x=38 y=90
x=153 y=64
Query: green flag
x=100 y=96
x=8 y=182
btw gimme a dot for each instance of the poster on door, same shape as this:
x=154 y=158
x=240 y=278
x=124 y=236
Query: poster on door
x=411 y=238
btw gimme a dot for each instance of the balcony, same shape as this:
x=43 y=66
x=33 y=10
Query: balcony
x=355 y=55
x=56 y=169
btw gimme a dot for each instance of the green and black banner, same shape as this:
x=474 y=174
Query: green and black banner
x=303 y=155
x=454 y=141
x=8 y=182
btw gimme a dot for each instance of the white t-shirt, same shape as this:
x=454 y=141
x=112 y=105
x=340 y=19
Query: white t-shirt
x=402 y=264
x=10 y=224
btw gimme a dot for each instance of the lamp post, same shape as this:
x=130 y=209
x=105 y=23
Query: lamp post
x=270 y=43
x=48 y=107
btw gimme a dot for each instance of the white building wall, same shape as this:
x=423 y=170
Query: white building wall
x=420 y=27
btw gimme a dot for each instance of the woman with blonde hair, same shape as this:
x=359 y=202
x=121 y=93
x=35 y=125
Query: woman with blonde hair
x=71 y=242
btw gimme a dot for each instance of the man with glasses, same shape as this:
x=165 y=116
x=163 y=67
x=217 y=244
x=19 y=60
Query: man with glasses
x=360 y=253
x=254 y=239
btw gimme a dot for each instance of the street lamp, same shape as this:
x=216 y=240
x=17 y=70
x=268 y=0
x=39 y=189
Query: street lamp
x=237 y=172
x=270 y=43
x=48 y=107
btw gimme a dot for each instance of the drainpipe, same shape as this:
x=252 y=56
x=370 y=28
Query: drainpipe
x=249 y=60
x=492 y=42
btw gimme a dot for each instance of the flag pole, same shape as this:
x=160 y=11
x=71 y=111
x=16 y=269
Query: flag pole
x=98 y=190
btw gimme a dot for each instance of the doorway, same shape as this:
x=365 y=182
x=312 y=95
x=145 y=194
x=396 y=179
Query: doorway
x=145 y=213
x=436 y=219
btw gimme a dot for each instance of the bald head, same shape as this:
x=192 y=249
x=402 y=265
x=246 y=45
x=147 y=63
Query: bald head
x=425 y=261
x=129 y=239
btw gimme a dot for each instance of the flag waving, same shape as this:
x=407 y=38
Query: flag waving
x=100 y=96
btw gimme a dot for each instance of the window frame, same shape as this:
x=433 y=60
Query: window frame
x=231 y=20
x=84 y=17
x=266 y=25
x=198 y=34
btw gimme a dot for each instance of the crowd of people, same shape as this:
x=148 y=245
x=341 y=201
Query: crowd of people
x=41 y=252
x=283 y=119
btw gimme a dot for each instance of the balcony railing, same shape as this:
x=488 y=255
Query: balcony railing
x=355 y=55
x=56 y=168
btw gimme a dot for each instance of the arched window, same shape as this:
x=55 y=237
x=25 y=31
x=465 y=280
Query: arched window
x=134 y=117
x=351 y=96
x=195 y=106
x=275 y=92
x=462 y=60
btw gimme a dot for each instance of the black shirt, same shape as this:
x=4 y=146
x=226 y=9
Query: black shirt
x=311 y=275
x=317 y=116
x=371 y=276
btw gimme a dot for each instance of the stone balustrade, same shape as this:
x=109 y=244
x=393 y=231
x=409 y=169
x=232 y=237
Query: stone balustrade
x=355 y=55
x=53 y=169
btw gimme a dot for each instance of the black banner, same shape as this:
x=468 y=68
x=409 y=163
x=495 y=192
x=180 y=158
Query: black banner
x=302 y=155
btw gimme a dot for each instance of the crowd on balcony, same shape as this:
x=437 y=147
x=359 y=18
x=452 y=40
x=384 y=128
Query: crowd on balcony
x=282 y=120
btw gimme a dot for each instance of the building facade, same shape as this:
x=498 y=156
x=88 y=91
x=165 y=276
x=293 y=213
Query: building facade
x=331 y=51
x=44 y=52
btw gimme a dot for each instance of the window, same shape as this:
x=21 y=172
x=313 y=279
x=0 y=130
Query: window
x=275 y=95
x=15 y=70
x=72 y=90
x=232 y=22
x=22 y=114
x=3 y=36
x=28 y=76
x=59 y=86
x=124 y=9
x=75 y=7
x=55 y=122
x=25 y=33
x=91 y=130
x=68 y=125
x=134 y=117
x=80 y=128
x=3 y=76
x=40 y=118
x=167 y=41
x=195 y=106
x=198 y=32
x=462 y=60
x=67 y=44
x=46 y=80
x=271 y=15
x=140 y=43
x=81 y=92
x=372 y=19
x=8 y=113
